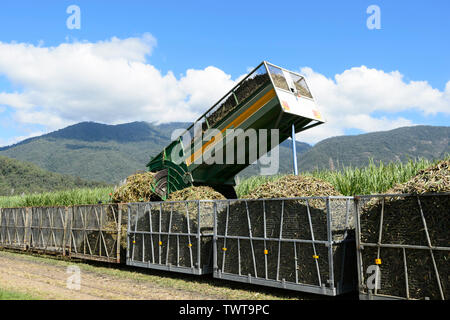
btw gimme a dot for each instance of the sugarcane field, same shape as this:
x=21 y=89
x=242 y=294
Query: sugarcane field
x=162 y=156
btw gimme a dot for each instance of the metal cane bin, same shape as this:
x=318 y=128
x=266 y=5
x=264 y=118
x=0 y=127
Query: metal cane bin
x=14 y=230
x=95 y=232
x=48 y=229
x=174 y=236
x=302 y=244
x=403 y=246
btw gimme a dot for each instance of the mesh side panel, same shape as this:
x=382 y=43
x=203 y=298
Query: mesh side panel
x=206 y=210
x=292 y=219
x=391 y=269
x=77 y=218
x=3 y=226
x=165 y=217
x=231 y=256
x=154 y=219
x=48 y=225
x=324 y=263
x=20 y=226
x=94 y=239
x=403 y=225
x=95 y=231
x=13 y=226
x=273 y=219
x=206 y=256
x=272 y=259
x=180 y=251
x=173 y=251
x=402 y=222
x=342 y=213
x=156 y=249
x=137 y=248
x=92 y=218
x=181 y=221
x=237 y=219
x=287 y=262
x=256 y=215
x=421 y=275
x=370 y=216
x=259 y=248
x=78 y=244
x=442 y=259
x=396 y=227
x=148 y=246
x=306 y=266
x=436 y=213
x=295 y=221
x=220 y=253
x=163 y=248
x=59 y=239
x=221 y=217
x=318 y=213
x=186 y=253
x=142 y=222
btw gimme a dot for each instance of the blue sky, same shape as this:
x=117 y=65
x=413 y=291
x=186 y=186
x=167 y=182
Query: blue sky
x=320 y=38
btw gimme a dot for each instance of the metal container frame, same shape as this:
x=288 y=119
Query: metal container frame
x=324 y=286
x=162 y=263
x=12 y=235
x=40 y=232
x=45 y=227
x=373 y=294
x=109 y=254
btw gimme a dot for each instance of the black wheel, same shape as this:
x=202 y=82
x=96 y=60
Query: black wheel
x=161 y=183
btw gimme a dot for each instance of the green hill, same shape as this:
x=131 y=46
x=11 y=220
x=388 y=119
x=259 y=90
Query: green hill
x=107 y=153
x=110 y=153
x=94 y=151
x=17 y=177
x=400 y=144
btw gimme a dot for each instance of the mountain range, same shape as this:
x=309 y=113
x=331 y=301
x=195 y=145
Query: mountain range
x=110 y=153
x=402 y=144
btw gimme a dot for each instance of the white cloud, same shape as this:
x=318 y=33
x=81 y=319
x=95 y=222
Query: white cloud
x=348 y=101
x=107 y=81
x=111 y=81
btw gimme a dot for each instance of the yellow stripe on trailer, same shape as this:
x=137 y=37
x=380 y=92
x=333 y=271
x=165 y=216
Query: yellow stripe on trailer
x=236 y=123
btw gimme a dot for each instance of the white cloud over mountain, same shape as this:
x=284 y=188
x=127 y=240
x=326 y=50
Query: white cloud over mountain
x=111 y=81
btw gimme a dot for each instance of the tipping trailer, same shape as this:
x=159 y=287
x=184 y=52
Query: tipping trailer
x=269 y=97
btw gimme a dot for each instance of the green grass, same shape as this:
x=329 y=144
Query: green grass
x=249 y=184
x=176 y=281
x=15 y=295
x=59 y=198
x=373 y=179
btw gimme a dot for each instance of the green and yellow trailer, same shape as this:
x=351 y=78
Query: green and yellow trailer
x=270 y=98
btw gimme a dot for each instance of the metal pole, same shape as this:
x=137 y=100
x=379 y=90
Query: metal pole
x=294 y=150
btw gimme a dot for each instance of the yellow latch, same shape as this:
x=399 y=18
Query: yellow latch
x=224 y=249
x=160 y=243
x=266 y=251
x=190 y=245
x=315 y=256
x=377 y=261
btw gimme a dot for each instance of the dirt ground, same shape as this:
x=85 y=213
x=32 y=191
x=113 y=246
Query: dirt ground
x=49 y=281
x=44 y=277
